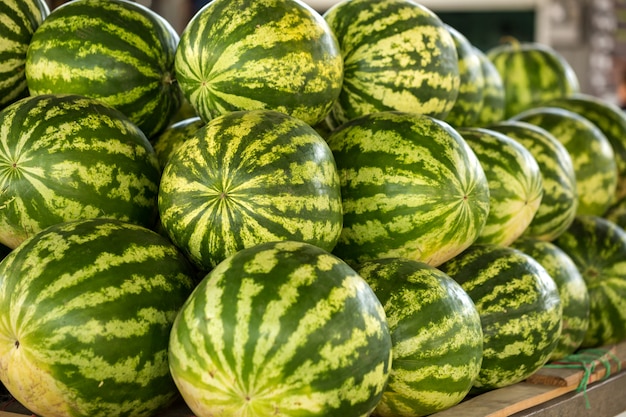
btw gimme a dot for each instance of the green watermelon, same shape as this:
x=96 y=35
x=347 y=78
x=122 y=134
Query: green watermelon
x=598 y=248
x=469 y=101
x=532 y=73
x=264 y=54
x=247 y=177
x=492 y=107
x=398 y=56
x=559 y=202
x=18 y=21
x=119 y=52
x=281 y=328
x=519 y=307
x=69 y=157
x=436 y=336
x=617 y=213
x=411 y=188
x=86 y=309
x=591 y=152
x=515 y=184
x=572 y=291
x=173 y=136
x=610 y=119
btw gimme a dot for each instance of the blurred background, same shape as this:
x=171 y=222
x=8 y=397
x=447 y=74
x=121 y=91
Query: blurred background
x=590 y=34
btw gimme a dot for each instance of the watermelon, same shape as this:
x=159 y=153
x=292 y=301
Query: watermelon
x=572 y=291
x=411 y=188
x=617 y=213
x=515 y=184
x=610 y=119
x=116 y=51
x=173 y=136
x=470 y=98
x=281 y=328
x=519 y=307
x=69 y=157
x=560 y=195
x=436 y=336
x=398 y=56
x=247 y=177
x=598 y=248
x=85 y=332
x=532 y=73
x=492 y=106
x=265 y=54
x=591 y=152
x=18 y=21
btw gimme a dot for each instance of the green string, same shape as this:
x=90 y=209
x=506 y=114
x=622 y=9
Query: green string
x=587 y=359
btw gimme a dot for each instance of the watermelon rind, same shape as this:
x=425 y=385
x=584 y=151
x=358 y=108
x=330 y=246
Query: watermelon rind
x=281 y=328
x=411 y=187
x=86 y=311
x=436 y=335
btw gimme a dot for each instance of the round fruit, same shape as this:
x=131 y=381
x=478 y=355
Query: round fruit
x=520 y=311
x=411 y=188
x=591 y=152
x=281 y=328
x=20 y=19
x=492 y=107
x=560 y=195
x=249 y=177
x=598 y=248
x=436 y=335
x=469 y=101
x=398 y=55
x=515 y=184
x=86 y=309
x=69 y=157
x=115 y=51
x=532 y=73
x=168 y=141
x=264 y=54
x=572 y=291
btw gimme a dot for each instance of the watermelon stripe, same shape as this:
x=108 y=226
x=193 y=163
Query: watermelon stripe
x=57 y=153
x=124 y=57
x=385 y=201
x=264 y=362
x=275 y=55
x=397 y=56
x=248 y=194
x=18 y=22
x=515 y=184
x=80 y=307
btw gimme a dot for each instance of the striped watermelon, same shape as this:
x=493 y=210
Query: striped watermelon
x=610 y=119
x=591 y=152
x=560 y=194
x=598 y=248
x=436 y=334
x=166 y=142
x=515 y=184
x=86 y=331
x=248 y=177
x=411 y=188
x=116 y=51
x=470 y=98
x=264 y=54
x=281 y=328
x=18 y=21
x=572 y=291
x=398 y=55
x=492 y=107
x=69 y=157
x=520 y=310
x=532 y=73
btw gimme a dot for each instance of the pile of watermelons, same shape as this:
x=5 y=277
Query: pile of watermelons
x=279 y=212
